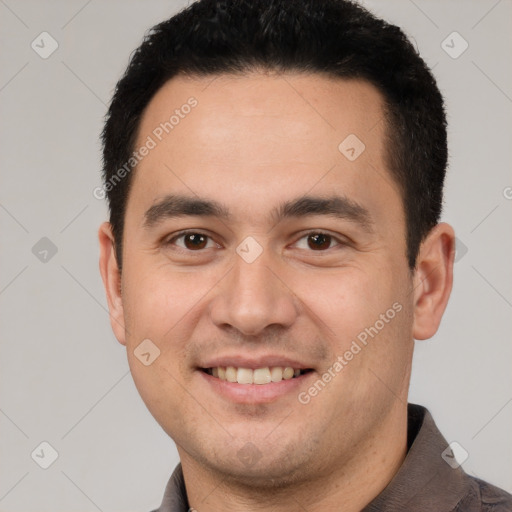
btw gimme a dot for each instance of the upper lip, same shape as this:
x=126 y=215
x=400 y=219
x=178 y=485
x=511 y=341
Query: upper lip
x=239 y=361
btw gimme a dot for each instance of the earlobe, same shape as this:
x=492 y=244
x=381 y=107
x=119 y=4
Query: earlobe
x=433 y=279
x=111 y=277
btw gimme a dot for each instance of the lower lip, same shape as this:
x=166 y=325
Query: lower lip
x=255 y=393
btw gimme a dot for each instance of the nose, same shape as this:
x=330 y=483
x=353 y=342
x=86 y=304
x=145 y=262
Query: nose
x=252 y=297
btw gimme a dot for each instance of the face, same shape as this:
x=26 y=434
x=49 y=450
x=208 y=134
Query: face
x=278 y=249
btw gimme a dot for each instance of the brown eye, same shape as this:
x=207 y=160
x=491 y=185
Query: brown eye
x=192 y=241
x=319 y=241
x=195 y=241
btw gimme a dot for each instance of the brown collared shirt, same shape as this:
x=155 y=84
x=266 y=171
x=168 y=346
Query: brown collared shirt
x=424 y=483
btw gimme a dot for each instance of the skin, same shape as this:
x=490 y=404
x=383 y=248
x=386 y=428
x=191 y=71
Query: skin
x=252 y=142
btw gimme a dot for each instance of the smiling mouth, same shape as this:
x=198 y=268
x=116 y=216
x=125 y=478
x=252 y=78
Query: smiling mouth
x=260 y=376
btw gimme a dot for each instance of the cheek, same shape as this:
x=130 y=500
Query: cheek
x=156 y=309
x=157 y=300
x=160 y=392
x=366 y=316
x=164 y=306
x=348 y=300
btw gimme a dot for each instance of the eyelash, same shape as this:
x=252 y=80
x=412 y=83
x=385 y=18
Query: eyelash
x=181 y=234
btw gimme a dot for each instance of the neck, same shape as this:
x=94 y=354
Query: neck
x=348 y=487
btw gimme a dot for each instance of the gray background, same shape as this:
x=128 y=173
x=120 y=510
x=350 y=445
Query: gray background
x=65 y=379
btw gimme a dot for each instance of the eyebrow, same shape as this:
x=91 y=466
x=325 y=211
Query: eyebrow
x=176 y=205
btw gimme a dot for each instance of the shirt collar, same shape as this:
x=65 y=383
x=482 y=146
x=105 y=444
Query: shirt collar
x=424 y=482
x=175 y=495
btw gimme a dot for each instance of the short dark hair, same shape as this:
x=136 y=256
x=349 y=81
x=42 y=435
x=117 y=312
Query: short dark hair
x=337 y=38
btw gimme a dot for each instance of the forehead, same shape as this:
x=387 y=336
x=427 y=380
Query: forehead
x=303 y=107
x=260 y=137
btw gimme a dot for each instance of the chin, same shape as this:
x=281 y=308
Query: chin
x=265 y=476
x=265 y=466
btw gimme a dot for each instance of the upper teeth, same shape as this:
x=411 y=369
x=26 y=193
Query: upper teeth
x=257 y=376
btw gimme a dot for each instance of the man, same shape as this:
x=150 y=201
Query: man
x=274 y=170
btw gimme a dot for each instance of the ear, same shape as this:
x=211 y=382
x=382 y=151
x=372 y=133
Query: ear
x=111 y=276
x=433 y=279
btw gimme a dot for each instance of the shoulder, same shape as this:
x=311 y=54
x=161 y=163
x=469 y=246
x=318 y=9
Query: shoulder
x=493 y=497
x=485 y=497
